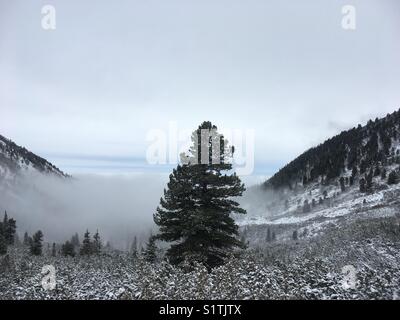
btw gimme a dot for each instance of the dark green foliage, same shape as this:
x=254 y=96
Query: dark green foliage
x=150 y=252
x=194 y=213
x=7 y=233
x=9 y=229
x=36 y=245
x=68 y=249
x=87 y=247
x=3 y=242
x=53 y=250
x=97 y=244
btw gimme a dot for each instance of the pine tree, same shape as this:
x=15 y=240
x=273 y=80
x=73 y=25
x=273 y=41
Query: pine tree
x=68 y=249
x=75 y=240
x=3 y=242
x=26 y=241
x=149 y=252
x=134 y=247
x=295 y=235
x=9 y=229
x=36 y=245
x=86 y=248
x=53 y=250
x=194 y=213
x=97 y=245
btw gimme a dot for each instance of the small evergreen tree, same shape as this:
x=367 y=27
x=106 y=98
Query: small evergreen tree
x=134 y=247
x=53 y=250
x=97 y=245
x=150 y=253
x=36 y=245
x=26 y=241
x=295 y=235
x=68 y=249
x=86 y=248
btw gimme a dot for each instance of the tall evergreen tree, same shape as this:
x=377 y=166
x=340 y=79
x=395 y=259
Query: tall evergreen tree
x=53 y=250
x=97 y=245
x=134 y=247
x=36 y=245
x=195 y=211
x=86 y=248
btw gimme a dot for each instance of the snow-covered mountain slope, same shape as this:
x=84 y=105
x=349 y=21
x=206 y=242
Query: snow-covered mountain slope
x=353 y=176
x=15 y=160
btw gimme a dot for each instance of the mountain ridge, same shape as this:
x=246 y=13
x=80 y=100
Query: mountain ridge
x=14 y=158
x=360 y=148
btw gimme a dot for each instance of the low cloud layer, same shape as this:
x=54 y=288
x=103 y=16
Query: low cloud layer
x=119 y=206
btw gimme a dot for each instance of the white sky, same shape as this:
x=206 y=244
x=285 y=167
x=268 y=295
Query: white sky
x=90 y=90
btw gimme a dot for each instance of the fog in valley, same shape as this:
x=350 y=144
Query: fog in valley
x=119 y=206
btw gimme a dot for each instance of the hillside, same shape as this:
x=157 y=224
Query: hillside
x=358 y=150
x=339 y=194
x=15 y=159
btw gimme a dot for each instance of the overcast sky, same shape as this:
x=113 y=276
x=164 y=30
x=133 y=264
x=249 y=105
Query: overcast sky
x=85 y=95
